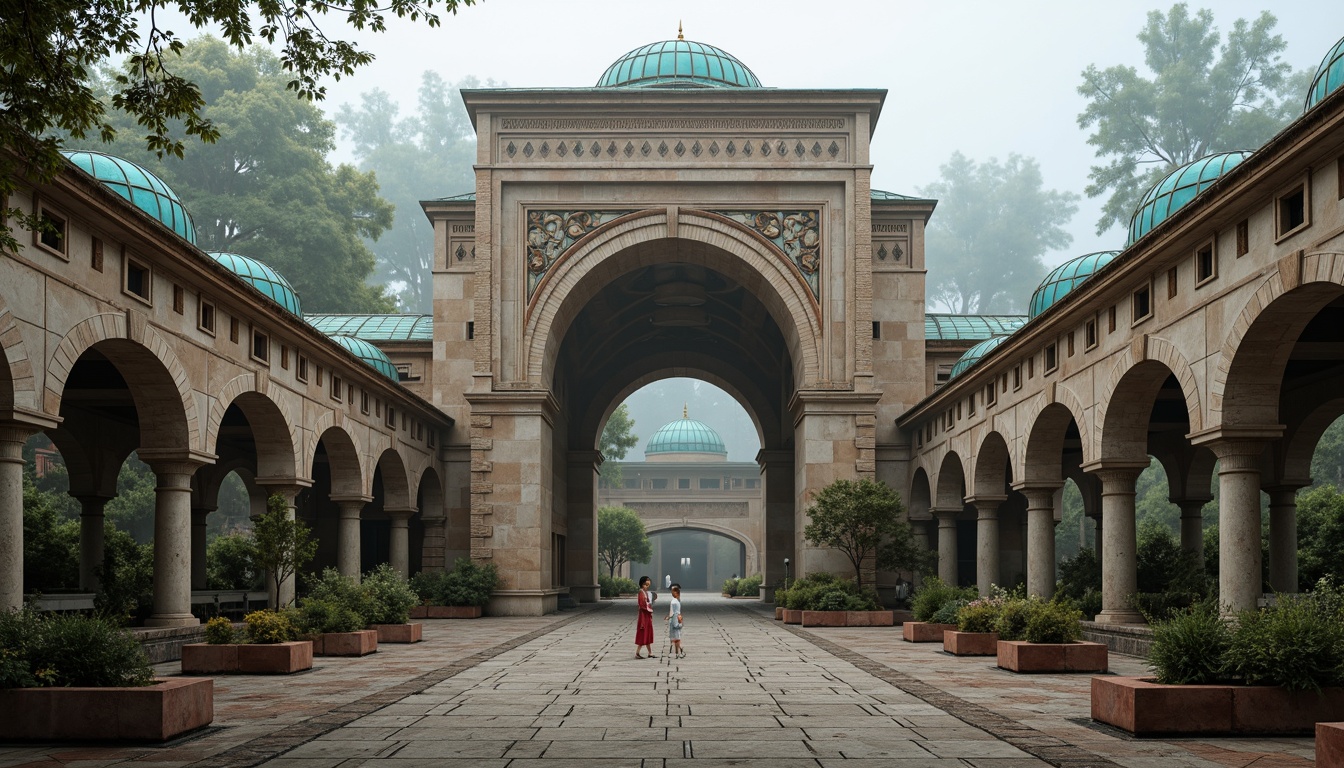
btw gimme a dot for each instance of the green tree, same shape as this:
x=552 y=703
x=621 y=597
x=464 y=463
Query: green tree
x=231 y=563
x=50 y=542
x=49 y=49
x=1320 y=535
x=994 y=223
x=132 y=509
x=264 y=188
x=618 y=437
x=1202 y=95
x=864 y=519
x=621 y=538
x=428 y=153
x=282 y=545
x=1327 y=462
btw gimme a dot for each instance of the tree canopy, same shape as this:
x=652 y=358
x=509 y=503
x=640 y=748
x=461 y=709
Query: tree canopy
x=864 y=519
x=618 y=437
x=281 y=544
x=1204 y=95
x=49 y=50
x=621 y=538
x=426 y=154
x=994 y=223
x=264 y=188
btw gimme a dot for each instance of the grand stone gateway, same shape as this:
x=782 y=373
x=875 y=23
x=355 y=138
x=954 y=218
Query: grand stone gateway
x=680 y=219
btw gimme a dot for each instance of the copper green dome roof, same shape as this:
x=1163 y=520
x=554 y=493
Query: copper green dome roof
x=973 y=355
x=685 y=435
x=1329 y=76
x=1178 y=188
x=678 y=64
x=369 y=354
x=263 y=278
x=400 y=327
x=145 y=190
x=1065 y=278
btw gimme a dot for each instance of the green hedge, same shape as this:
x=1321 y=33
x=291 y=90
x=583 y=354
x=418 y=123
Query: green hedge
x=468 y=583
x=68 y=650
x=827 y=592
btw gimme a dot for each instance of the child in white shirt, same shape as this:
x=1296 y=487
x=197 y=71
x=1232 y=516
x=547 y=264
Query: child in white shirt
x=674 y=622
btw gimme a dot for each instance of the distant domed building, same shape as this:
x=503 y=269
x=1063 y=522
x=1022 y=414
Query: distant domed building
x=685 y=440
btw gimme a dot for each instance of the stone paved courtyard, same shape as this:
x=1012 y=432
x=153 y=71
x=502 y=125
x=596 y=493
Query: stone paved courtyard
x=566 y=691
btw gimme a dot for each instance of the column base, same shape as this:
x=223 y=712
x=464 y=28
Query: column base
x=1120 y=617
x=173 y=620
x=587 y=593
x=524 y=602
x=767 y=594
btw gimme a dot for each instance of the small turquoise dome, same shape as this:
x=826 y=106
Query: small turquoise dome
x=1065 y=278
x=678 y=64
x=974 y=354
x=1178 y=188
x=1329 y=76
x=145 y=190
x=369 y=354
x=685 y=435
x=263 y=278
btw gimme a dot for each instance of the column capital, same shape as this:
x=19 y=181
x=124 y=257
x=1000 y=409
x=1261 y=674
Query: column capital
x=583 y=459
x=401 y=514
x=1230 y=435
x=21 y=423
x=944 y=514
x=766 y=458
x=1038 y=494
x=285 y=486
x=986 y=500
x=1112 y=472
x=175 y=462
x=351 y=499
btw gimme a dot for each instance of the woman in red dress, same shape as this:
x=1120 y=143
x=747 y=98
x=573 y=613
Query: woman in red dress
x=644 y=624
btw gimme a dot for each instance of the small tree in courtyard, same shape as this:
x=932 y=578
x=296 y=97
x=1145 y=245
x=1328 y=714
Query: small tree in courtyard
x=864 y=520
x=283 y=544
x=621 y=538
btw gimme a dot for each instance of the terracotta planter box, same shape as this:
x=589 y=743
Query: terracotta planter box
x=156 y=712
x=847 y=619
x=1330 y=745
x=924 y=632
x=420 y=612
x=247 y=658
x=793 y=617
x=398 y=633
x=1021 y=656
x=1143 y=708
x=360 y=643
x=971 y=643
x=779 y=613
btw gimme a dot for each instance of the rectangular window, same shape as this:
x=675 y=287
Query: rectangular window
x=710 y=483
x=877 y=329
x=942 y=374
x=1017 y=377
x=1110 y=319
x=1142 y=304
x=205 y=317
x=404 y=372
x=350 y=394
x=958 y=416
x=991 y=396
x=284 y=357
x=1206 y=264
x=233 y=329
x=1003 y=382
x=1051 y=358
x=1090 y=334
x=179 y=299
x=1243 y=238
x=96 y=260
x=684 y=484
x=261 y=346
x=336 y=390
x=301 y=369
x=364 y=402
x=1031 y=367
x=753 y=483
x=405 y=422
x=1173 y=286
x=471 y=330
x=1291 y=211
x=970 y=404
x=1070 y=343
x=319 y=375
x=630 y=484
x=391 y=420
x=659 y=483
x=51 y=233
x=430 y=439
x=138 y=281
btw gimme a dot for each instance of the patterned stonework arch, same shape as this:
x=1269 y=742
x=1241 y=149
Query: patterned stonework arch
x=21 y=389
x=1055 y=393
x=992 y=477
x=107 y=327
x=1159 y=350
x=753 y=559
x=325 y=422
x=240 y=385
x=1318 y=267
x=945 y=497
x=558 y=301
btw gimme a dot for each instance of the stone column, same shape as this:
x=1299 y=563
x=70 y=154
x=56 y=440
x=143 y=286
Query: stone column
x=1283 y=538
x=399 y=545
x=1192 y=526
x=12 y=438
x=198 y=559
x=986 y=541
x=172 y=539
x=581 y=538
x=1040 y=539
x=920 y=531
x=778 y=537
x=947 y=544
x=1240 y=583
x=347 y=537
x=1119 y=566
x=90 y=541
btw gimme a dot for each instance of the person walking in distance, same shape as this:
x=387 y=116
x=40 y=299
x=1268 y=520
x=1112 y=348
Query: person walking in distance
x=644 y=623
x=674 y=622
x=667 y=581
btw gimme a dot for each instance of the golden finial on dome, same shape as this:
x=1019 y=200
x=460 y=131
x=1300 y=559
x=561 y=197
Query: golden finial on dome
x=685 y=414
x=679 y=37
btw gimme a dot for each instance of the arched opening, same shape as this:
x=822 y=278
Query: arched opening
x=337 y=480
x=698 y=560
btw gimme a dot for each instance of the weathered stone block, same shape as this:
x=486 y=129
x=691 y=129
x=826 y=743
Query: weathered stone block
x=399 y=633
x=924 y=632
x=971 y=643
x=359 y=643
x=158 y=712
x=1021 y=656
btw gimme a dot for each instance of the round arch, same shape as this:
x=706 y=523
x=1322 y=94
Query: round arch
x=429 y=494
x=391 y=469
x=347 y=471
x=753 y=555
x=625 y=244
x=16 y=367
x=951 y=483
x=921 y=499
x=276 y=436
x=1128 y=396
x=993 y=469
x=1047 y=428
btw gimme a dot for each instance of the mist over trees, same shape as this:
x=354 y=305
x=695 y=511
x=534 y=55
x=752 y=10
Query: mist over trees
x=1202 y=93
x=995 y=220
x=424 y=155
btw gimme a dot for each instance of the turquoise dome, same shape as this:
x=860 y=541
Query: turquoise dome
x=263 y=278
x=1065 y=278
x=685 y=435
x=145 y=190
x=369 y=354
x=974 y=354
x=1329 y=76
x=678 y=64
x=1178 y=188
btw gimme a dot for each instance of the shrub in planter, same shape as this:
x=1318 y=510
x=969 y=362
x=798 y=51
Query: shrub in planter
x=980 y=615
x=1297 y=643
x=1053 y=623
x=267 y=627
x=750 y=586
x=219 y=631
x=334 y=589
x=471 y=583
x=1012 y=623
x=68 y=650
x=1188 y=648
x=933 y=593
x=317 y=616
x=390 y=597
x=947 y=613
x=615 y=586
x=729 y=587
